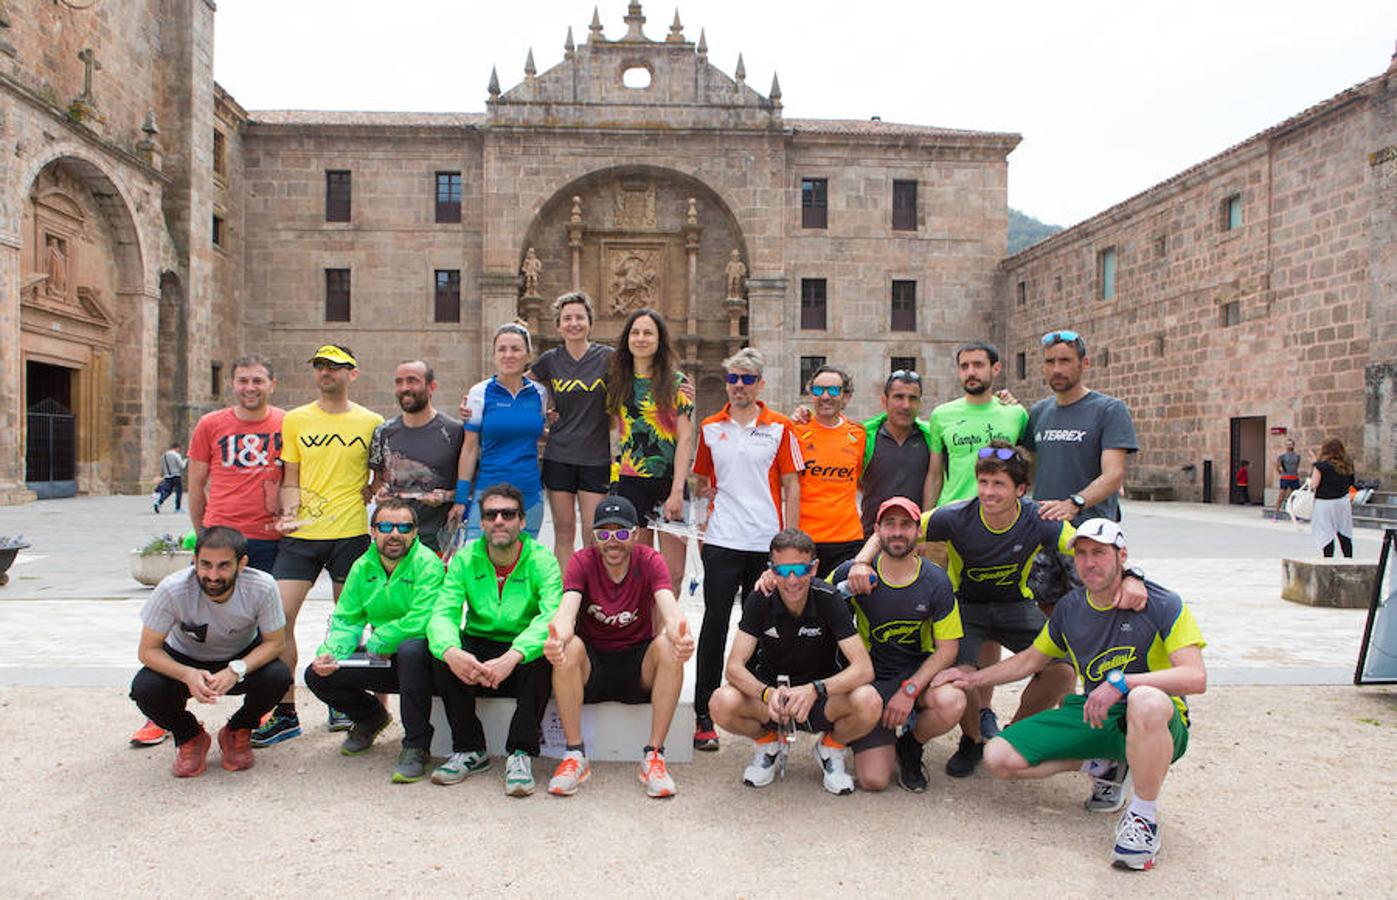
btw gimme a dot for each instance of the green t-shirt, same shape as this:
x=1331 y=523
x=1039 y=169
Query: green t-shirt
x=959 y=429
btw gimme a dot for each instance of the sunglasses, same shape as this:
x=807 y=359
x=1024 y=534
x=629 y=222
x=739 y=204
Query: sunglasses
x=748 y=379
x=327 y=364
x=620 y=534
x=906 y=376
x=390 y=527
x=820 y=390
x=490 y=515
x=1060 y=337
x=1004 y=453
x=799 y=570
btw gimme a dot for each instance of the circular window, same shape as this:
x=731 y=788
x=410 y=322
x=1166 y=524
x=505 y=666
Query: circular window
x=636 y=78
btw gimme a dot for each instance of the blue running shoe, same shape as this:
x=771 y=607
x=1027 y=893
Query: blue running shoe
x=277 y=729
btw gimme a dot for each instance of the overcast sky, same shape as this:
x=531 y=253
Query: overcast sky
x=1110 y=97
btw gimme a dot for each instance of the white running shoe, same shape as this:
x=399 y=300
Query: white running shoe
x=518 y=774
x=1109 y=790
x=769 y=756
x=571 y=772
x=831 y=760
x=655 y=775
x=1137 y=843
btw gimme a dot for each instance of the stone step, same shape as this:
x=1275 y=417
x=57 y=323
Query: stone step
x=1336 y=582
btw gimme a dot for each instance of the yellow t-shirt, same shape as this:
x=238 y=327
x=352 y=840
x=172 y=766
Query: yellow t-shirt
x=333 y=453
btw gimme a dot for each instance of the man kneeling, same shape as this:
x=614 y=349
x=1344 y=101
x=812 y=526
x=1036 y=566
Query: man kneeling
x=1136 y=667
x=797 y=633
x=392 y=589
x=215 y=628
x=604 y=644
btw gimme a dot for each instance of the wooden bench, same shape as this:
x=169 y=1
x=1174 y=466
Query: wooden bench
x=1339 y=583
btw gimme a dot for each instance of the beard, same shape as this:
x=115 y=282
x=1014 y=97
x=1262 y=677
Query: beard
x=412 y=401
x=897 y=548
x=394 y=549
x=214 y=587
x=974 y=386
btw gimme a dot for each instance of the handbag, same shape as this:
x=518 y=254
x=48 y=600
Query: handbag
x=1301 y=503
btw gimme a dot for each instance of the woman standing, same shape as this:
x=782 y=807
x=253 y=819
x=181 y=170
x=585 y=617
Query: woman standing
x=1330 y=479
x=577 y=456
x=654 y=419
x=507 y=414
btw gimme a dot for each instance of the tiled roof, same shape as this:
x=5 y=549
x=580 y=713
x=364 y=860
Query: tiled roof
x=880 y=128
x=367 y=119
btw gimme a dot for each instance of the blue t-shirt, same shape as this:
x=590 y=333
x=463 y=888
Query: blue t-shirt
x=509 y=426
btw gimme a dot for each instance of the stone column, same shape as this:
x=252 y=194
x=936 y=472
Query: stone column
x=575 y=229
x=135 y=419
x=690 y=339
x=499 y=303
x=12 y=421
x=766 y=302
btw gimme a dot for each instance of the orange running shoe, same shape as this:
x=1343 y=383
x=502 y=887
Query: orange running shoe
x=655 y=776
x=571 y=772
x=191 y=756
x=148 y=735
x=236 y=746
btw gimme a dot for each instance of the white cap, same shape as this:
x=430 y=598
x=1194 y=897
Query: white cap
x=1103 y=531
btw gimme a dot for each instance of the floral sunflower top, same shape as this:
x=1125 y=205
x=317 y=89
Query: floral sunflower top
x=648 y=434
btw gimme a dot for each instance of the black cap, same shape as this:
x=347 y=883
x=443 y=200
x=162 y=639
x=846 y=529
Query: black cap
x=615 y=510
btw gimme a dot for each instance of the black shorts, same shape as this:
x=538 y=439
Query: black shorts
x=647 y=495
x=881 y=736
x=572 y=479
x=830 y=556
x=817 y=720
x=1014 y=624
x=616 y=675
x=298 y=559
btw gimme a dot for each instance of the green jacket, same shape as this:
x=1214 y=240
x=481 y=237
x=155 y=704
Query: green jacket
x=870 y=430
x=519 y=618
x=396 y=606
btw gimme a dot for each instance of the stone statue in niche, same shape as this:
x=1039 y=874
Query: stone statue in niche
x=531 y=270
x=56 y=266
x=736 y=273
x=634 y=281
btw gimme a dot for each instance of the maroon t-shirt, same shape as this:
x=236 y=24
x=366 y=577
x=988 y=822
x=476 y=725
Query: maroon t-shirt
x=615 y=616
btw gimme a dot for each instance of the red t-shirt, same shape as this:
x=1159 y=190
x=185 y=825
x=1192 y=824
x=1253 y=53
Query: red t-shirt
x=244 y=460
x=615 y=616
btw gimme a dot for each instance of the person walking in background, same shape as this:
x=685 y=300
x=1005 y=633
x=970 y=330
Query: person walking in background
x=1287 y=474
x=171 y=478
x=1330 y=479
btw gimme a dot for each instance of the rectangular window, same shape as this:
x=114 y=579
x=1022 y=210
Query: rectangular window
x=218 y=229
x=220 y=153
x=904 y=312
x=1020 y=366
x=1231 y=314
x=814 y=203
x=1106 y=272
x=808 y=365
x=812 y=304
x=1161 y=246
x=215 y=379
x=1057 y=283
x=448 y=196
x=447 y=307
x=1232 y=213
x=336 y=295
x=336 y=195
x=1023 y=292
x=904 y=206
x=903 y=364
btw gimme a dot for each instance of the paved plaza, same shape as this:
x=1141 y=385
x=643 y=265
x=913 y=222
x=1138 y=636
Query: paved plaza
x=1286 y=789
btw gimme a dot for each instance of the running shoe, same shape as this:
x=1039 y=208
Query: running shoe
x=989 y=724
x=831 y=760
x=236 y=746
x=148 y=735
x=655 y=776
x=1137 y=842
x=338 y=721
x=571 y=772
x=911 y=774
x=770 y=756
x=967 y=756
x=278 y=728
x=362 y=734
x=705 y=735
x=460 y=765
x=518 y=774
x=191 y=757
x=1109 y=790
x=411 y=765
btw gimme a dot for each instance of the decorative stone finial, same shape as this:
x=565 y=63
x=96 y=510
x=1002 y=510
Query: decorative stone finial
x=703 y=44
x=775 y=91
x=595 y=28
x=148 y=125
x=149 y=146
x=494 y=87
x=576 y=217
x=692 y=218
x=568 y=45
x=529 y=70
x=741 y=71
x=676 y=30
x=635 y=21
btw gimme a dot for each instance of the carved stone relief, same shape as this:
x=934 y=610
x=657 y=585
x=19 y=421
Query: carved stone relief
x=634 y=204
x=635 y=276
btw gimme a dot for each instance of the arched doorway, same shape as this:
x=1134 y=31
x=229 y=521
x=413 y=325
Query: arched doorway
x=634 y=236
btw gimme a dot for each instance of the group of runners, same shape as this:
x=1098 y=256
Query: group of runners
x=880 y=566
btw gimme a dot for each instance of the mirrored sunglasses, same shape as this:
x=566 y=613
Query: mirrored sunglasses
x=390 y=527
x=799 y=570
x=820 y=390
x=618 y=534
x=746 y=378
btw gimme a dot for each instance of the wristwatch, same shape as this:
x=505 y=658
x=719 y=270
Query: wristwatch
x=238 y=668
x=1116 y=679
x=1135 y=572
x=1079 y=500
x=820 y=692
x=909 y=688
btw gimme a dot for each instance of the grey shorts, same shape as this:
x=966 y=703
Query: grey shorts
x=1013 y=624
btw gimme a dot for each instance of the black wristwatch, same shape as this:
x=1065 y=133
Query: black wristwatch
x=1135 y=572
x=821 y=693
x=1079 y=500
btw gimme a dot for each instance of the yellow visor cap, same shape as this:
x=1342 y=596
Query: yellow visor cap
x=335 y=355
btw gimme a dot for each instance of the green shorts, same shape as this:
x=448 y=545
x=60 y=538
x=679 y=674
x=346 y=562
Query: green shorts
x=1063 y=734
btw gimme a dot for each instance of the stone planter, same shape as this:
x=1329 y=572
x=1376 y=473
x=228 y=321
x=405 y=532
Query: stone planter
x=149 y=570
x=7 y=559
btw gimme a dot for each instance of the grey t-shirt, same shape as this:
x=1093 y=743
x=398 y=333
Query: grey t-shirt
x=418 y=460
x=1068 y=441
x=894 y=470
x=201 y=629
x=1289 y=463
x=581 y=436
x=171 y=464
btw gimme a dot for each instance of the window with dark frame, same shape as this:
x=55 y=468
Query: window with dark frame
x=1106 y=272
x=814 y=203
x=218 y=229
x=903 y=364
x=336 y=295
x=337 y=195
x=813 y=304
x=447 y=305
x=1232 y=213
x=1161 y=246
x=808 y=365
x=1231 y=314
x=1023 y=292
x=220 y=153
x=904 y=306
x=1021 y=366
x=448 y=197
x=742 y=326
x=904 y=206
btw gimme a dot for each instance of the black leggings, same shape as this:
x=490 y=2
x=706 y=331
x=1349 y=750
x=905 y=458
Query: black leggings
x=163 y=699
x=1345 y=544
x=727 y=575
